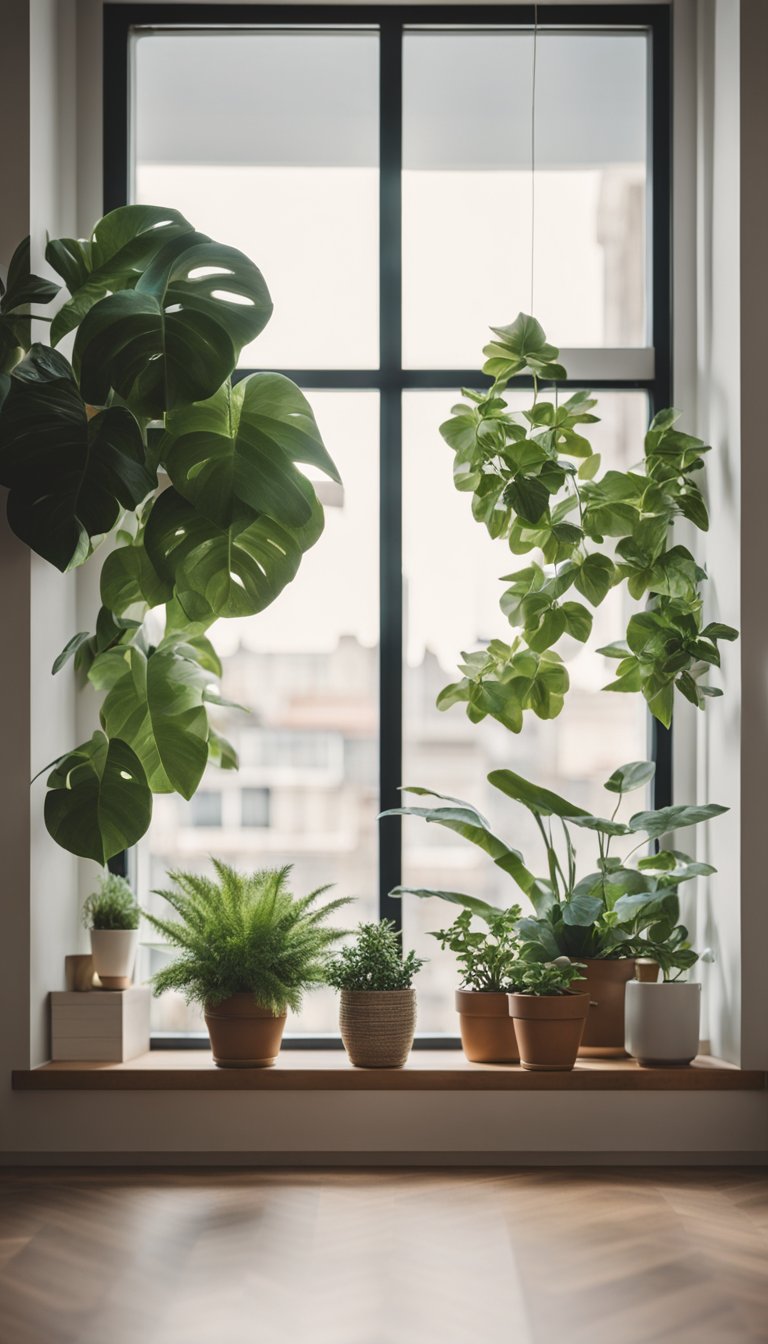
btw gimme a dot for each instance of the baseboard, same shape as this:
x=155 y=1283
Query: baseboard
x=329 y=1161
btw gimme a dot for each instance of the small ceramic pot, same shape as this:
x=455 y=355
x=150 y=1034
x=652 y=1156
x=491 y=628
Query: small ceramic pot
x=114 y=952
x=663 y=1022
x=606 y=981
x=549 y=1028
x=377 y=1026
x=243 y=1035
x=487 y=1030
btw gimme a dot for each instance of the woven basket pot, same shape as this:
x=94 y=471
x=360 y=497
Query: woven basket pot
x=377 y=1026
x=606 y=983
x=243 y=1035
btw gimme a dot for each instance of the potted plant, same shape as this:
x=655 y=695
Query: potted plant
x=140 y=435
x=662 y=1017
x=549 y=1015
x=112 y=915
x=248 y=951
x=599 y=918
x=377 y=1007
x=485 y=958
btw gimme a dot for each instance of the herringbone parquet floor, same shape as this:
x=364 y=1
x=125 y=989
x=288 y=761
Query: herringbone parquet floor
x=384 y=1257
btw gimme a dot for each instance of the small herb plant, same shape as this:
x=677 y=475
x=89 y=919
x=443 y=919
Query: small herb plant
x=245 y=933
x=486 y=958
x=113 y=906
x=544 y=978
x=373 y=961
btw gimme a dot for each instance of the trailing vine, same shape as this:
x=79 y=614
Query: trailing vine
x=537 y=484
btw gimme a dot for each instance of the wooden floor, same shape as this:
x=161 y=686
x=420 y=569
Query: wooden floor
x=384 y=1257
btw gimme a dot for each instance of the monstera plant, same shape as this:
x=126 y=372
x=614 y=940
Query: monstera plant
x=536 y=483
x=140 y=436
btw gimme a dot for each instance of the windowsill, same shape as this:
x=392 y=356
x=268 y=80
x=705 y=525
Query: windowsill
x=330 y=1071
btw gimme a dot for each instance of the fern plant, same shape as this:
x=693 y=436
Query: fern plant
x=245 y=933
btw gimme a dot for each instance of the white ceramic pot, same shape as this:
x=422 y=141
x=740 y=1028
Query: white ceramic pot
x=662 y=1022
x=114 y=952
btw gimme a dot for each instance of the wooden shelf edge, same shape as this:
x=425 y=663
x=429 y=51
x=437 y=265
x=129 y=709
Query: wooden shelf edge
x=314 y=1071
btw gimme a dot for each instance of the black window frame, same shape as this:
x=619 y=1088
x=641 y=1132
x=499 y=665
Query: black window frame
x=391 y=380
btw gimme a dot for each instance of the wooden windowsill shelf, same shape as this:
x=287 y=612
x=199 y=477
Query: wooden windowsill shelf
x=330 y=1071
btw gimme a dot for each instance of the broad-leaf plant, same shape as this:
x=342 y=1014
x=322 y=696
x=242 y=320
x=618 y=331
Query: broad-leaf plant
x=625 y=907
x=140 y=436
x=536 y=483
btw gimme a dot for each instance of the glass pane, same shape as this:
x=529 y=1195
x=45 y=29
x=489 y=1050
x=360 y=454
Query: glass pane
x=467 y=190
x=269 y=142
x=452 y=570
x=306 y=792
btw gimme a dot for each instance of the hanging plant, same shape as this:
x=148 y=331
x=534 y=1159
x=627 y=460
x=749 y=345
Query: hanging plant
x=537 y=484
x=143 y=437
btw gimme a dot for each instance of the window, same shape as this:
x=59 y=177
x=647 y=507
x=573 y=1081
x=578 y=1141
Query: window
x=205 y=808
x=375 y=163
x=254 y=807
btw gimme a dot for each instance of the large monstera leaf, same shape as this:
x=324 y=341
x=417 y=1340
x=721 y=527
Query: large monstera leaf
x=69 y=476
x=240 y=448
x=155 y=703
x=99 y=802
x=176 y=336
x=225 y=571
x=113 y=258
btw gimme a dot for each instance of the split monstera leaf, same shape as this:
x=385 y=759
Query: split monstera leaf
x=142 y=437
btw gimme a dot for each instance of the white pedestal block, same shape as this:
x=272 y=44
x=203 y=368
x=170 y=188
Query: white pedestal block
x=101 y=1024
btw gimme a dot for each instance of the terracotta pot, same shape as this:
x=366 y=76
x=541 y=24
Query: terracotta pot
x=549 y=1028
x=663 y=1022
x=606 y=982
x=114 y=952
x=243 y=1035
x=647 y=970
x=377 y=1026
x=487 y=1030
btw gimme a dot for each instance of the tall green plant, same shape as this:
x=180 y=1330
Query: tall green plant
x=625 y=907
x=536 y=483
x=143 y=437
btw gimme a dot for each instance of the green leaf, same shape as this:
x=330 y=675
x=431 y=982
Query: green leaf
x=465 y=821
x=578 y=621
x=22 y=288
x=174 y=338
x=520 y=347
x=536 y=799
x=480 y=908
x=128 y=577
x=69 y=476
x=224 y=571
x=717 y=631
x=120 y=248
x=98 y=802
x=548 y=630
x=156 y=706
x=631 y=776
x=582 y=910
x=221 y=752
x=594 y=577
x=69 y=650
x=528 y=497
x=241 y=448
x=657 y=823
